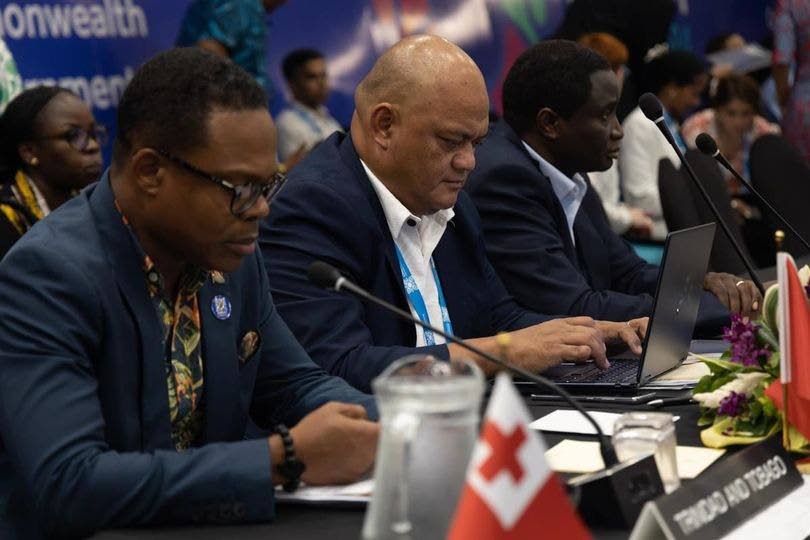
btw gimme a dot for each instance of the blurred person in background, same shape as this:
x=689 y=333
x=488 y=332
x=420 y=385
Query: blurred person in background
x=49 y=149
x=623 y=218
x=235 y=29
x=792 y=45
x=725 y=41
x=677 y=78
x=307 y=121
x=640 y=25
x=733 y=121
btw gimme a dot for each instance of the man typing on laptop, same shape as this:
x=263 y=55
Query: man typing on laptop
x=544 y=227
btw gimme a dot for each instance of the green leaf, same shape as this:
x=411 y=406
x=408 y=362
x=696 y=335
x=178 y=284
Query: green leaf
x=717 y=365
x=766 y=337
x=720 y=381
x=707 y=416
x=754 y=409
x=703 y=384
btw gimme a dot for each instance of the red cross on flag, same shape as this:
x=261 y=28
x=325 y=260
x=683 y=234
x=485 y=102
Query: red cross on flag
x=511 y=493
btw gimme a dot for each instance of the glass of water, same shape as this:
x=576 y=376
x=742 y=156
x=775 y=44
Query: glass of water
x=640 y=433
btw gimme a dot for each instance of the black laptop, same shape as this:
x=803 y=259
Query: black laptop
x=677 y=299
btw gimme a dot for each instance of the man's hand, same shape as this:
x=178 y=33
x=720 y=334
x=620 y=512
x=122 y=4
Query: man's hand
x=336 y=442
x=547 y=344
x=738 y=295
x=630 y=332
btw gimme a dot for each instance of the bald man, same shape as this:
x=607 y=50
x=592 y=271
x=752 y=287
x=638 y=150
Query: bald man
x=385 y=205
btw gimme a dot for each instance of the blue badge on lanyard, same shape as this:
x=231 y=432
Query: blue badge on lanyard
x=221 y=307
x=418 y=302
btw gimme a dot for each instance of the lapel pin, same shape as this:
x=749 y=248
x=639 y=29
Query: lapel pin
x=221 y=307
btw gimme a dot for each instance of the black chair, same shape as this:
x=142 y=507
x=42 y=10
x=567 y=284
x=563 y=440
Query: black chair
x=780 y=174
x=677 y=203
x=683 y=206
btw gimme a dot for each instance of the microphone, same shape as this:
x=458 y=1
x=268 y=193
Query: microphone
x=653 y=110
x=329 y=277
x=708 y=146
x=613 y=496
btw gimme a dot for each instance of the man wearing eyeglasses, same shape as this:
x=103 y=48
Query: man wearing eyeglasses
x=137 y=332
x=384 y=205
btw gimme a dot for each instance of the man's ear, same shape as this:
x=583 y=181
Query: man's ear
x=384 y=116
x=148 y=170
x=548 y=124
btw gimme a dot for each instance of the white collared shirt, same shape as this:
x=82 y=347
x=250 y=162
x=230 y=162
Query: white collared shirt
x=416 y=237
x=569 y=191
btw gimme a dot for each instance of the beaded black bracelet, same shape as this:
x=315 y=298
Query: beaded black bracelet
x=291 y=468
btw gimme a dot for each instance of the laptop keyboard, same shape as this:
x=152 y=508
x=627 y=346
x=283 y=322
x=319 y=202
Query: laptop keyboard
x=619 y=371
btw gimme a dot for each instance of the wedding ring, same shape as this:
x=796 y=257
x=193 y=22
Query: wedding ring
x=739 y=283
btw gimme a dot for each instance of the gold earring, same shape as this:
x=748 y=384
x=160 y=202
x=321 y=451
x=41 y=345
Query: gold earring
x=34 y=161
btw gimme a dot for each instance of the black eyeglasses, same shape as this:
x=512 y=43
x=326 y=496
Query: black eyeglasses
x=78 y=138
x=244 y=195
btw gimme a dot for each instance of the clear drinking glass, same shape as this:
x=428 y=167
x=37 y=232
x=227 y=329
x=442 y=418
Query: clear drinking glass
x=640 y=433
x=429 y=414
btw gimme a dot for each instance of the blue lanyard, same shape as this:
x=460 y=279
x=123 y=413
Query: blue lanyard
x=418 y=303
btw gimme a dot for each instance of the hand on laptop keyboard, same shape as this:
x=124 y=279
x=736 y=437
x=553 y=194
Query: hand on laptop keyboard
x=630 y=332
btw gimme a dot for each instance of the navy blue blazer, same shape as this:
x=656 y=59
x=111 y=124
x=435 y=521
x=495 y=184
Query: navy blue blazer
x=329 y=211
x=529 y=244
x=83 y=405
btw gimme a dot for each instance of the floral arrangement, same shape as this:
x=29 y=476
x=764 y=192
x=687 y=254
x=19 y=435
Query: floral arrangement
x=734 y=406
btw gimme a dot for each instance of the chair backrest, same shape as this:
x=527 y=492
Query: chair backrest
x=684 y=207
x=676 y=198
x=780 y=174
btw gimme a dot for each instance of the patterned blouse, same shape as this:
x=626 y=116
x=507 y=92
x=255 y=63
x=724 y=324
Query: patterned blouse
x=704 y=121
x=21 y=205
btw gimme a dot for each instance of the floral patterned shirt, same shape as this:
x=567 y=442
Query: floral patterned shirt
x=182 y=333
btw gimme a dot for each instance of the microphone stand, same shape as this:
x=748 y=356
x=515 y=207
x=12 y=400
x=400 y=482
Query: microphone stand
x=671 y=140
x=613 y=496
x=721 y=159
x=606 y=449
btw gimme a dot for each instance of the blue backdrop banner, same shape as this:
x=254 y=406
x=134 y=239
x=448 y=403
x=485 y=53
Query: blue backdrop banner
x=94 y=46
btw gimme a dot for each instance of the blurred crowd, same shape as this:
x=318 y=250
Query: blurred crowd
x=737 y=92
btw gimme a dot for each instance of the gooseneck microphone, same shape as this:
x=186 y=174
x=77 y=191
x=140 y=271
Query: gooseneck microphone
x=708 y=146
x=329 y=277
x=653 y=110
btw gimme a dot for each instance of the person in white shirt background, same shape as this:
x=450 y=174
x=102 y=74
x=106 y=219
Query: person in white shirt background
x=307 y=121
x=677 y=78
x=623 y=218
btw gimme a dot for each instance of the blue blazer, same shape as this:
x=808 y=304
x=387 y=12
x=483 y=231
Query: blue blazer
x=329 y=211
x=84 y=412
x=529 y=244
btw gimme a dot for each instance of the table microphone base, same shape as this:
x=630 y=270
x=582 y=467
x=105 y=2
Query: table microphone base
x=614 y=497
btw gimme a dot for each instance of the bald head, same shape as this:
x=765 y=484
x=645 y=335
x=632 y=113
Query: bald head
x=418 y=115
x=415 y=68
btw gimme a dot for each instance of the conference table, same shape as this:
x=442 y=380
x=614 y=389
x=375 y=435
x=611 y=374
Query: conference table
x=304 y=522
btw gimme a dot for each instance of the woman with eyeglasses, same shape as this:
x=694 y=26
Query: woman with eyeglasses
x=50 y=147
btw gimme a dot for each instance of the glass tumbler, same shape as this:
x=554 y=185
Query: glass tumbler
x=641 y=433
